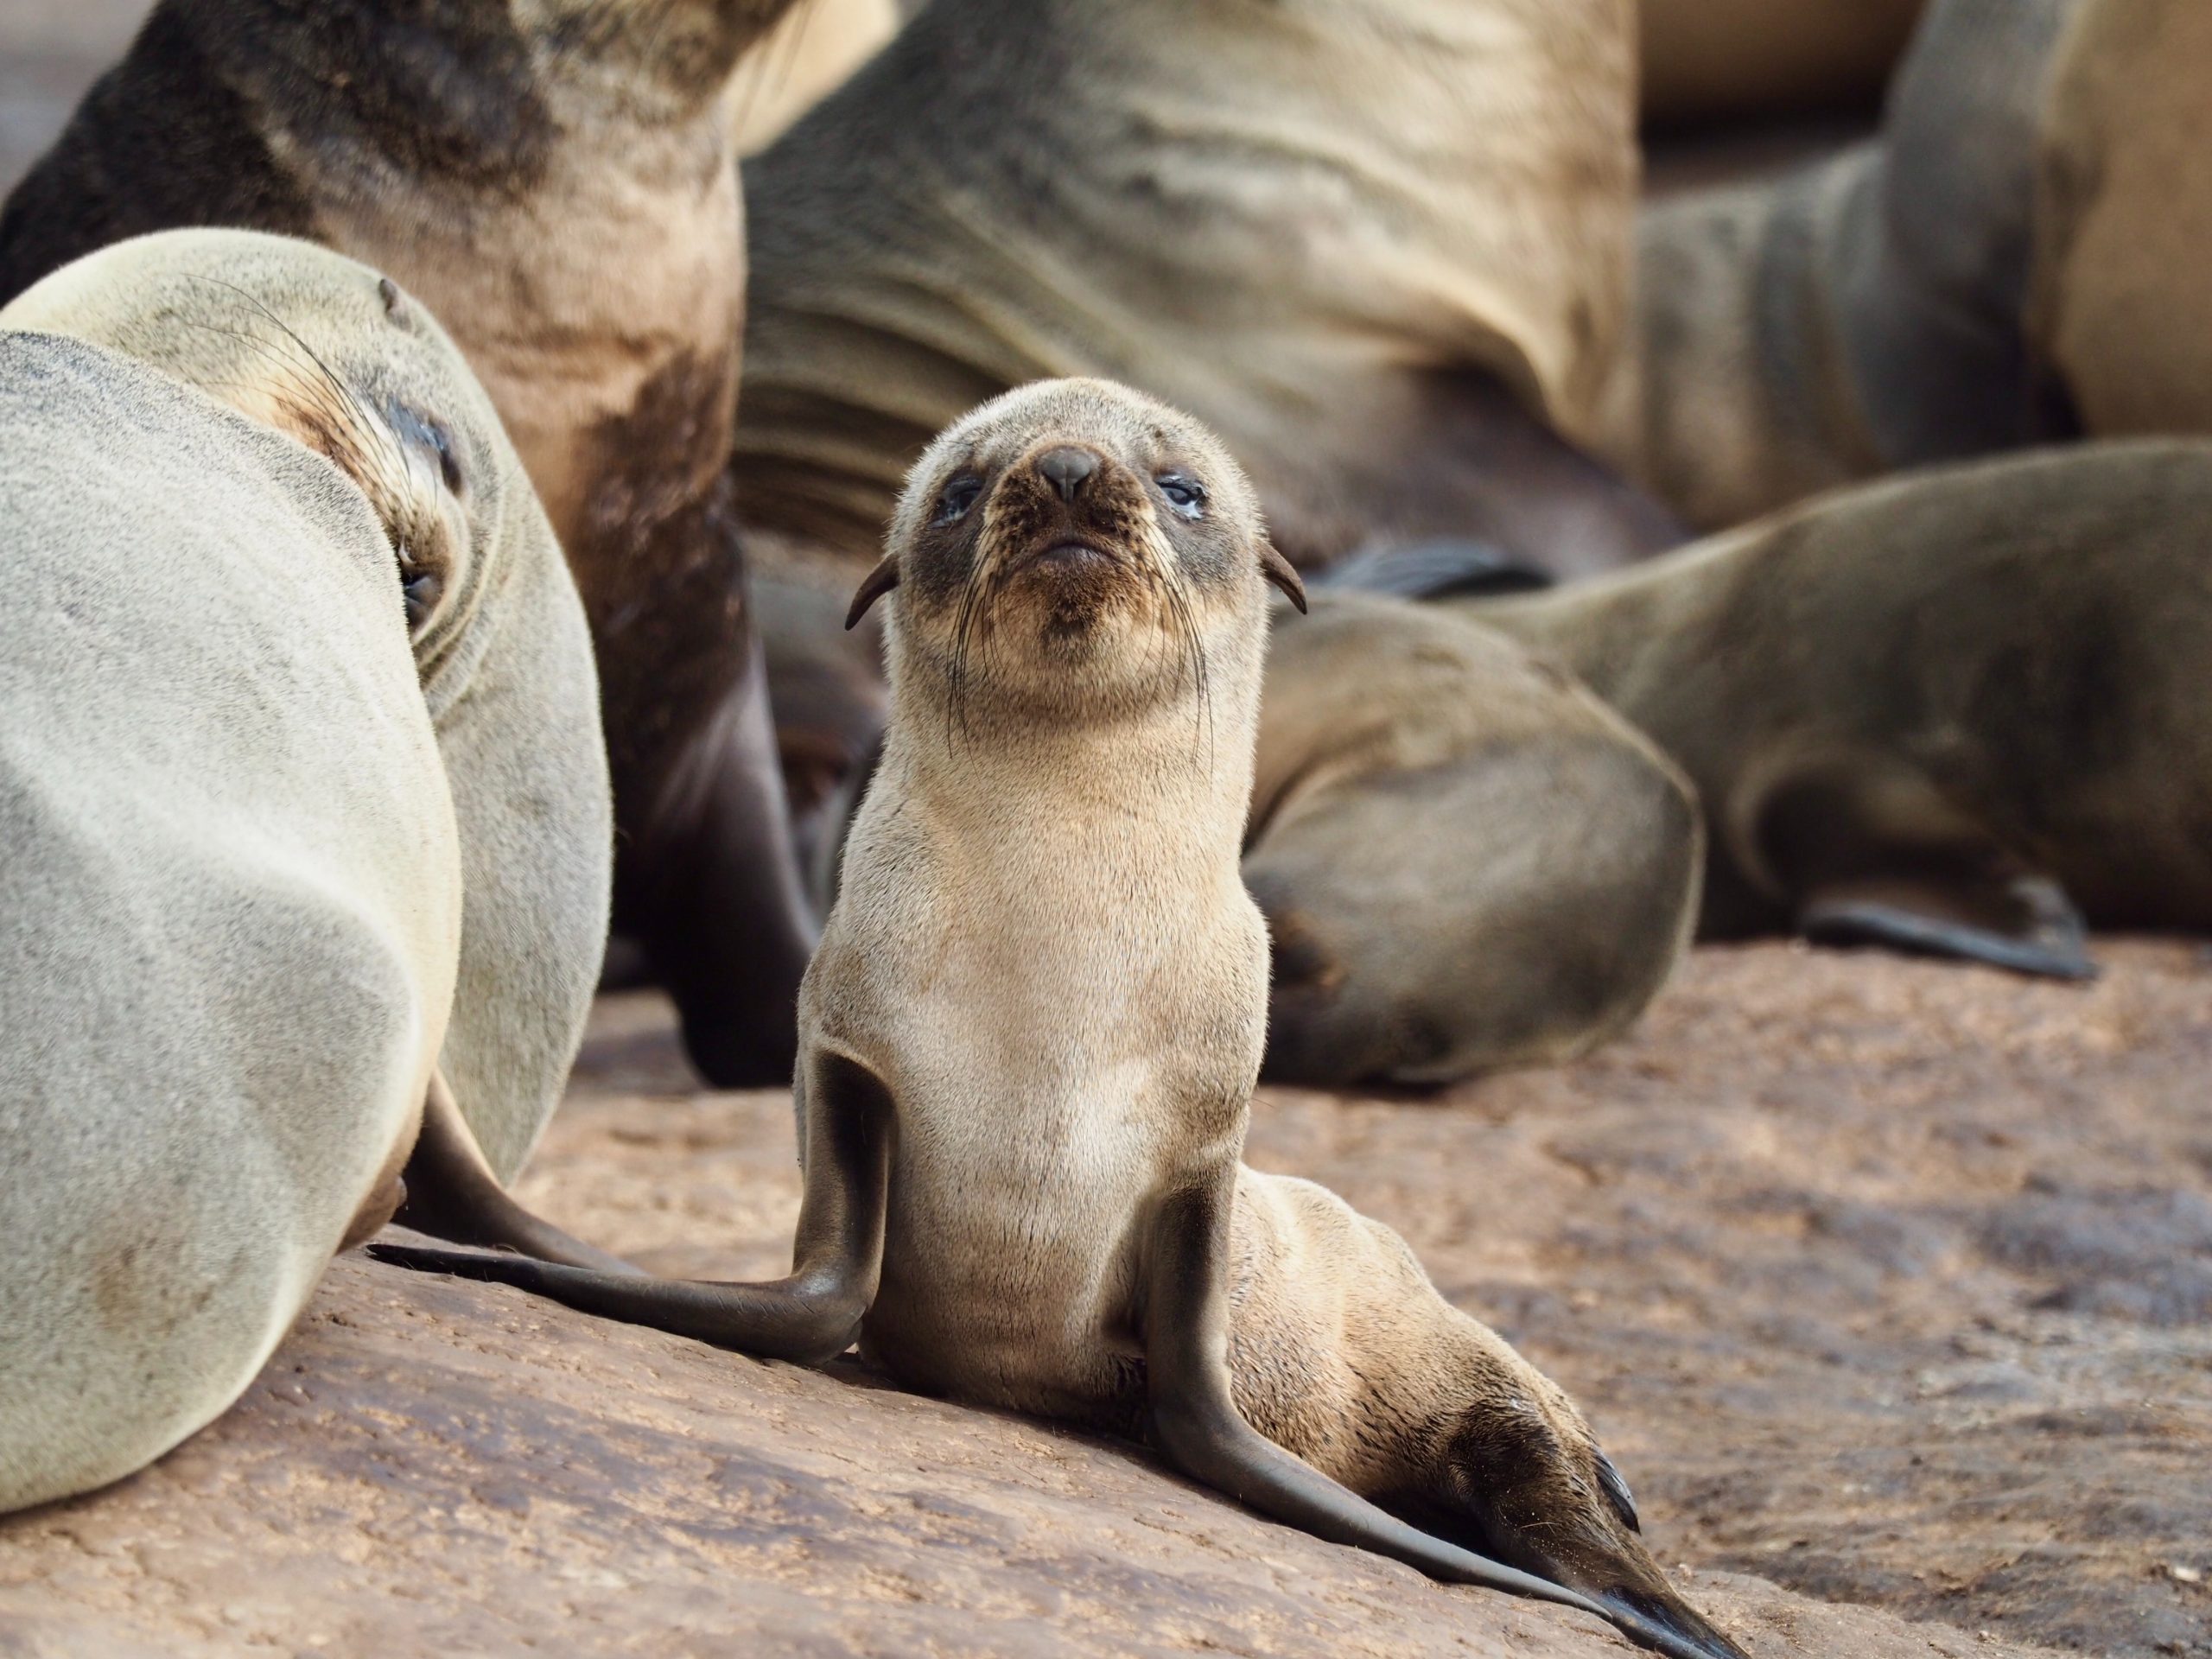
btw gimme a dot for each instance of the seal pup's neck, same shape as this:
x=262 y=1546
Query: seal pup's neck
x=1157 y=789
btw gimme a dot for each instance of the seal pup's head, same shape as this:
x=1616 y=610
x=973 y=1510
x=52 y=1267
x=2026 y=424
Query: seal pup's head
x=1075 y=547
x=337 y=357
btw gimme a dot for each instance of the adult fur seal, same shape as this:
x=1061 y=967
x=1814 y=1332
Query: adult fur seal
x=1864 y=314
x=1381 y=245
x=305 y=806
x=2124 y=222
x=1030 y=1037
x=1923 y=713
x=556 y=182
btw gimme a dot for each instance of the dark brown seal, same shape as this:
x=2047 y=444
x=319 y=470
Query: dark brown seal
x=1929 y=712
x=558 y=184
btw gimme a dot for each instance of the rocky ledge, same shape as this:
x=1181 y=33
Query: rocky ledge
x=1889 y=1285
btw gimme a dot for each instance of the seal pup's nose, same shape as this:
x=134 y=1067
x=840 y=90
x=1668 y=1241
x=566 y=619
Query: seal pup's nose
x=1065 y=467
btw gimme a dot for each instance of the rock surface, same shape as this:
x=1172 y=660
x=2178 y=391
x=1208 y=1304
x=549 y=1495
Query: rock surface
x=1886 y=1282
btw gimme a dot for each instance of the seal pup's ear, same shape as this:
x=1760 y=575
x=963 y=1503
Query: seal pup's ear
x=879 y=582
x=1277 y=570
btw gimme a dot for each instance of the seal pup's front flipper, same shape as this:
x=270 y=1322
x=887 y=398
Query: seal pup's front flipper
x=452 y=1194
x=810 y=1316
x=1195 y=1421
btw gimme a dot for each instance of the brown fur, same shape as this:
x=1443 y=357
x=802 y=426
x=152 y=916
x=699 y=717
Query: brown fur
x=1708 y=60
x=1945 y=684
x=1380 y=244
x=2124 y=218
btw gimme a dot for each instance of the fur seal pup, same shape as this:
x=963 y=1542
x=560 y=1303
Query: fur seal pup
x=1030 y=1037
x=305 y=811
x=557 y=180
x=1928 y=712
x=1861 y=314
x=1381 y=247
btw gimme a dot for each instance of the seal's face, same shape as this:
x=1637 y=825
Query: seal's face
x=337 y=357
x=1075 y=539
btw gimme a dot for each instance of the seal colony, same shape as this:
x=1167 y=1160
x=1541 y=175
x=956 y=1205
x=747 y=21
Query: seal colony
x=558 y=182
x=305 y=811
x=1029 y=1039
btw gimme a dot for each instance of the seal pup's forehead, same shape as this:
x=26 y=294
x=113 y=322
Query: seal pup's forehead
x=1105 y=414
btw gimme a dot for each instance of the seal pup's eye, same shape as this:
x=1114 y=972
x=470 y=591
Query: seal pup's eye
x=1186 y=494
x=959 y=495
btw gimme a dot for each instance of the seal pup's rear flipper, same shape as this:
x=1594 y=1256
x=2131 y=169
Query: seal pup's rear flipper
x=1195 y=1421
x=809 y=1316
x=452 y=1194
x=2026 y=925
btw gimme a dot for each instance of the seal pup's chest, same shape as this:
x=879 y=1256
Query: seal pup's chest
x=1056 y=1065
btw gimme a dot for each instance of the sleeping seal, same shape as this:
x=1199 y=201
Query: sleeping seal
x=1928 y=712
x=556 y=181
x=306 y=812
x=1030 y=1037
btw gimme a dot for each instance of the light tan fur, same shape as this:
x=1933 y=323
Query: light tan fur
x=1313 y=225
x=281 y=846
x=807 y=56
x=2121 y=307
x=1044 y=950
